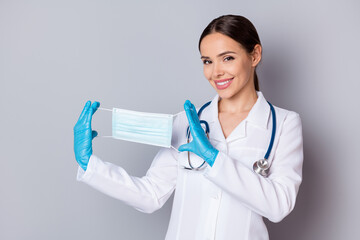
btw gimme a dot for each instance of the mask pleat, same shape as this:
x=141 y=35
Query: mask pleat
x=148 y=128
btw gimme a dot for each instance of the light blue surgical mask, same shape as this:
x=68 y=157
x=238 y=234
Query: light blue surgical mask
x=141 y=127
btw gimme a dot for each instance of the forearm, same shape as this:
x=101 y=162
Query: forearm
x=147 y=194
x=271 y=198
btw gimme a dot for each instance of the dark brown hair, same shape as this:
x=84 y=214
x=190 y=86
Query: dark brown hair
x=239 y=29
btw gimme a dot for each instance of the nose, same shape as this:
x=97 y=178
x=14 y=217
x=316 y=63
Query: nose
x=217 y=71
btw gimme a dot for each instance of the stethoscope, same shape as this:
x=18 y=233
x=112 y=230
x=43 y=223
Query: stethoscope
x=261 y=166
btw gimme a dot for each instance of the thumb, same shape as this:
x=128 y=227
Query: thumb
x=94 y=134
x=186 y=147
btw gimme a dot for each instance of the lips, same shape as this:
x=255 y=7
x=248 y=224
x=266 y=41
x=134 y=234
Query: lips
x=223 y=83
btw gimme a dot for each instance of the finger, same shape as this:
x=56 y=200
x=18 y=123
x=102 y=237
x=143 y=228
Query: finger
x=94 y=134
x=84 y=110
x=187 y=109
x=95 y=106
x=91 y=110
x=190 y=111
x=193 y=113
x=192 y=117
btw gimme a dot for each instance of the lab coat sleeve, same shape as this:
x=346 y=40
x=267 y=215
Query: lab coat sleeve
x=146 y=194
x=273 y=197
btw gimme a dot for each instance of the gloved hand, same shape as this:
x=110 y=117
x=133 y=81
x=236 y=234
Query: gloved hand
x=200 y=144
x=83 y=135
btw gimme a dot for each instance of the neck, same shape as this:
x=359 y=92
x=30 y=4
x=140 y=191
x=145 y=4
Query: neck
x=242 y=102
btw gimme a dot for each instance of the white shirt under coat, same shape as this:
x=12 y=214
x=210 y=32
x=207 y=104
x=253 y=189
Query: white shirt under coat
x=228 y=200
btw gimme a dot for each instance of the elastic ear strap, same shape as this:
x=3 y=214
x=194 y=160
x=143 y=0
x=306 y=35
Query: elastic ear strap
x=112 y=137
x=174 y=149
x=105 y=109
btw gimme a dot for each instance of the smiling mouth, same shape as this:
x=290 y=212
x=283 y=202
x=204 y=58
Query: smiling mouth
x=222 y=84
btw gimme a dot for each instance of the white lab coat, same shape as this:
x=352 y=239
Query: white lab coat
x=228 y=200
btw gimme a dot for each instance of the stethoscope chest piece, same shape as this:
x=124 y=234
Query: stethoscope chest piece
x=262 y=167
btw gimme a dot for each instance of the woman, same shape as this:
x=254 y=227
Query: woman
x=227 y=199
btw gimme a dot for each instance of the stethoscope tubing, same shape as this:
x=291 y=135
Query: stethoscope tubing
x=272 y=132
x=263 y=172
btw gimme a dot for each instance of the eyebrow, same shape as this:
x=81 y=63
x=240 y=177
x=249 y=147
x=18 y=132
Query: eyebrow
x=219 y=55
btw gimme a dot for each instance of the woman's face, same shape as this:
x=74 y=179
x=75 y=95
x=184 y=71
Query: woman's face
x=227 y=65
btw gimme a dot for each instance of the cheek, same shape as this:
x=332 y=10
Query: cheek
x=207 y=72
x=241 y=69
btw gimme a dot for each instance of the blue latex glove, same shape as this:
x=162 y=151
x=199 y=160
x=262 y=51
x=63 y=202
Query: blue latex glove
x=83 y=135
x=200 y=144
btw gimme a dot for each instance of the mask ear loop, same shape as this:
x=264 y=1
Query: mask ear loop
x=171 y=146
x=104 y=109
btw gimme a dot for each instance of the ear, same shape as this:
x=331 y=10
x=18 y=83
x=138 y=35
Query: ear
x=256 y=55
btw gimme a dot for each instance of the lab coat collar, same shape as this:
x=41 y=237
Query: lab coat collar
x=259 y=113
x=258 y=116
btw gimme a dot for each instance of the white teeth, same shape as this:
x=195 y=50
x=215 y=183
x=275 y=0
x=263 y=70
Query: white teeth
x=223 y=83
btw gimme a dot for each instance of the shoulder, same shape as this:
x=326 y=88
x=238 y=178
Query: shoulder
x=286 y=114
x=288 y=121
x=282 y=114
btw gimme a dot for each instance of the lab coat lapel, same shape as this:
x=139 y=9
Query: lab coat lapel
x=257 y=117
x=210 y=114
x=260 y=113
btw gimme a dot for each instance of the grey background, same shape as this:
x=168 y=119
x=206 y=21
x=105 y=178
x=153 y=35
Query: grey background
x=55 y=55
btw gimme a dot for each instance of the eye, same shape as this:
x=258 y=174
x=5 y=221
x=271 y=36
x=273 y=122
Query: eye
x=228 y=58
x=206 y=62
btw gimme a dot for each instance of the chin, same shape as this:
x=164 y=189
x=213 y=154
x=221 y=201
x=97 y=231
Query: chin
x=225 y=94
